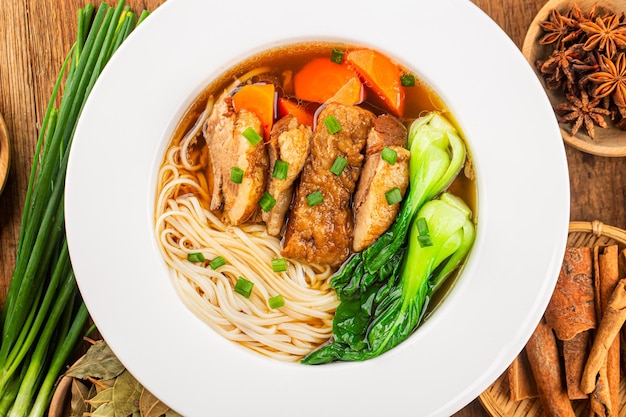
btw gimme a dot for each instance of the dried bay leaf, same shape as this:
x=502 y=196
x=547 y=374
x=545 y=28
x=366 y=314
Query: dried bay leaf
x=105 y=410
x=102 y=397
x=80 y=395
x=126 y=395
x=99 y=362
x=102 y=384
x=172 y=413
x=151 y=406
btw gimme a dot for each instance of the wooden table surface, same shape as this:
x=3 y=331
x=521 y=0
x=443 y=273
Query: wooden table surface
x=35 y=36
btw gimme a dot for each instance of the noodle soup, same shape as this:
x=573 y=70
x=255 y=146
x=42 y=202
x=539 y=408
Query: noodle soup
x=249 y=272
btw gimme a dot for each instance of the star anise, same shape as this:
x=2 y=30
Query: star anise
x=606 y=34
x=558 y=29
x=560 y=66
x=582 y=111
x=611 y=80
x=578 y=16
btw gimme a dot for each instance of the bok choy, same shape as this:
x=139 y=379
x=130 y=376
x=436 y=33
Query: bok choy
x=383 y=290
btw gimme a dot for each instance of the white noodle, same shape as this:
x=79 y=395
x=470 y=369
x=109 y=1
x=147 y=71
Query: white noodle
x=184 y=225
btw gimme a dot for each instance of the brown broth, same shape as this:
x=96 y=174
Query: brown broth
x=419 y=100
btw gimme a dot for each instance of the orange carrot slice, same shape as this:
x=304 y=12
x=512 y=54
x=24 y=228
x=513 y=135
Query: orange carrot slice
x=352 y=92
x=320 y=79
x=381 y=75
x=259 y=99
x=303 y=112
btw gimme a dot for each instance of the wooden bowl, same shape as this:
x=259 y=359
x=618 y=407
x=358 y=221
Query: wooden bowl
x=5 y=153
x=607 y=142
x=496 y=399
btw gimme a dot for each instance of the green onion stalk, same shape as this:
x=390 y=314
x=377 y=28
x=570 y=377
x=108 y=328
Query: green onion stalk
x=384 y=290
x=43 y=316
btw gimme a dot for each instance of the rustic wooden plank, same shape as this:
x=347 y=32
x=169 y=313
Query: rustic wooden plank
x=35 y=37
x=17 y=105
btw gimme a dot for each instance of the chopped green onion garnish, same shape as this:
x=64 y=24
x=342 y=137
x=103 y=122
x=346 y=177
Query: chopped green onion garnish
x=389 y=155
x=314 y=198
x=267 y=202
x=332 y=124
x=276 y=301
x=195 y=257
x=424 y=238
x=393 y=196
x=279 y=265
x=217 y=262
x=336 y=56
x=407 y=80
x=280 y=170
x=338 y=166
x=244 y=287
x=236 y=175
x=252 y=136
x=422 y=226
x=424 y=241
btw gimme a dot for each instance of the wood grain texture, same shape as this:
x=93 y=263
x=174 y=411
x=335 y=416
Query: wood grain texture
x=36 y=35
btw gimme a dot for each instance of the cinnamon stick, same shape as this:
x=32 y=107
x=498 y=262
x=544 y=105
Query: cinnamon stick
x=575 y=353
x=606 y=279
x=543 y=356
x=571 y=309
x=521 y=381
x=571 y=313
x=612 y=320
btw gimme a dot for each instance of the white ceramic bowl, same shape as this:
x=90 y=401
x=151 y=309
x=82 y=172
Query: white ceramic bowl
x=523 y=208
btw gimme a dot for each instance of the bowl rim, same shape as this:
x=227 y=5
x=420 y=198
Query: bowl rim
x=145 y=88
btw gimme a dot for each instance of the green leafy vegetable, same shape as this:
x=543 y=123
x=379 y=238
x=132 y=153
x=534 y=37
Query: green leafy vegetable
x=392 y=310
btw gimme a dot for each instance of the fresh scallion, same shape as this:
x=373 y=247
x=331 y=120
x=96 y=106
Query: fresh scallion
x=280 y=170
x=407 y=80
x=389 y=155
x=332 y=124
x=393 y=196
x=267 y=202
x=236 y=175
x=217 y=262
x=279 y=265
x=314 y=198
x=338 y=166
x=422 y=226
x=336 y=56
x=195 y=257
x=43 y=317
x=425 y=241
x=276 y=302
x=244 y=287
x=251 y=136
x=423 y=237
